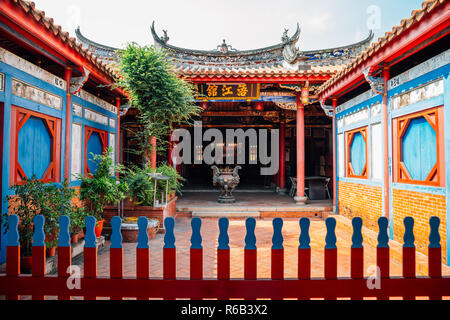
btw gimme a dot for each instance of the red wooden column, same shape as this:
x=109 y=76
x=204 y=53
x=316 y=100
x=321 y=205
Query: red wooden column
x=386 y=75
x=153 y=155
x=67 y=76
x=300 y=198
x=170 y=150
x=118 y=130
x=335 y=187
x=282 y=175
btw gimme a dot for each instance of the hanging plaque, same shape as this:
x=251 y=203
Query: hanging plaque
x=228 y=91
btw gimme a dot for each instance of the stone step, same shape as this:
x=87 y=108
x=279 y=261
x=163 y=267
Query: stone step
x=227 y=214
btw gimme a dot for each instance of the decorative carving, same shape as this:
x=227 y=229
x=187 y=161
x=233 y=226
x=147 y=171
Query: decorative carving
x=287 y=106
x=76 y=83
x=376 y=83
x=224 y=47
x=327 y=109
x=227 y=179
x=165 y=37
x=124 y=109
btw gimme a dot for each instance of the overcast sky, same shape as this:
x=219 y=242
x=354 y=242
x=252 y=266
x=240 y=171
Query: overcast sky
x=245 y=24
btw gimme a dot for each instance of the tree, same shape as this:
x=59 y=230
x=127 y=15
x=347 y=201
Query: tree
x=162 y=97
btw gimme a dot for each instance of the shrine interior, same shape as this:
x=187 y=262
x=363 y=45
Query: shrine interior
x=252 y=115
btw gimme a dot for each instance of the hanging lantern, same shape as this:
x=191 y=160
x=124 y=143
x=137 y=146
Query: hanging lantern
x=259 y=106
x=305 y=95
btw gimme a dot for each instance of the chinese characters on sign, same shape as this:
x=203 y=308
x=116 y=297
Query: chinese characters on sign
x=231 y=91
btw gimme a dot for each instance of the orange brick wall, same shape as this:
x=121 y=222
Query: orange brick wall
x=420 y=206
x=359 y=200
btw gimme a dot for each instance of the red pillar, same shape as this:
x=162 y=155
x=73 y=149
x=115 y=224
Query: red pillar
x=153 y=155
x=386 y=75
x=335 y=187
x=67 y=76
x=300 y=198
x=282 y=176
x=118 y=130
x=169 y=152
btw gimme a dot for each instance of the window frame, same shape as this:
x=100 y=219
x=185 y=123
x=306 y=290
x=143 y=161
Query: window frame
x=53 y=171
x=400 y=126
x=87 y=134
x=349 y=136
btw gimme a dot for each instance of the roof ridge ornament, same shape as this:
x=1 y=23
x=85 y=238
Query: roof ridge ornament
x=290 y=53
x=224 y=47
x=165 y=37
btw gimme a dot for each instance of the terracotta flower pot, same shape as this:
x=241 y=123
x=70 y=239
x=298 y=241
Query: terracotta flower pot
x=99 y=228
x=51 y=252
x=74 y=239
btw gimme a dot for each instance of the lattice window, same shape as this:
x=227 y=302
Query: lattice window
x=96 y=143
x=36 y=145
x=357 y=153
x=417 y=148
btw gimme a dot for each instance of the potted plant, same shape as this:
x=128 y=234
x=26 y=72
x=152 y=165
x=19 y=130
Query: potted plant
x=102 y=188
x=77 y=222
x=26 y=203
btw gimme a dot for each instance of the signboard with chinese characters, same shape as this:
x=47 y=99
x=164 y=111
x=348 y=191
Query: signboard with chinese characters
x=228 y=91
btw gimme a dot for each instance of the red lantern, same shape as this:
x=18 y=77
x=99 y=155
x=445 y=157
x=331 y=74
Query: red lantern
x=305 y=95
x=259 y=106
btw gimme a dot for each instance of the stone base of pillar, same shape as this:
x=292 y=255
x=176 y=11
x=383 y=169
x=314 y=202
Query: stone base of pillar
x=281 y=191
x=301 y=201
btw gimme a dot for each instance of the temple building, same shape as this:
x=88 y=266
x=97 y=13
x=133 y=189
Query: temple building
x=391 y=109
x=269 y=88
x=56 y=104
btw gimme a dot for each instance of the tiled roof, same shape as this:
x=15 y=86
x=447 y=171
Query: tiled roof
x=276 y=71
x=416 y=16
x=29 y=8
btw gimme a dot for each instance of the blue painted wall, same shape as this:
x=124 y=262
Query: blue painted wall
x=34 y=141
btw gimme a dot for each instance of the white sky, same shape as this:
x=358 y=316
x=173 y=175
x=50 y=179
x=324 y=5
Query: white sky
x=245 y=24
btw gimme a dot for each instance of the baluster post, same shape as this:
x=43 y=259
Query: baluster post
x=13 y=251
x=143 y=253
x=90 y=253
x=223 y=253
x=64 y=252
x=38 y=251
x=116 y=253
x=169 y=252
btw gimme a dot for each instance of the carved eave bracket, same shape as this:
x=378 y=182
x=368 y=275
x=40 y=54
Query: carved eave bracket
x=287 y=105
x=376 y=83
x=124 y=110
x=329 y=110
x=77 y=83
